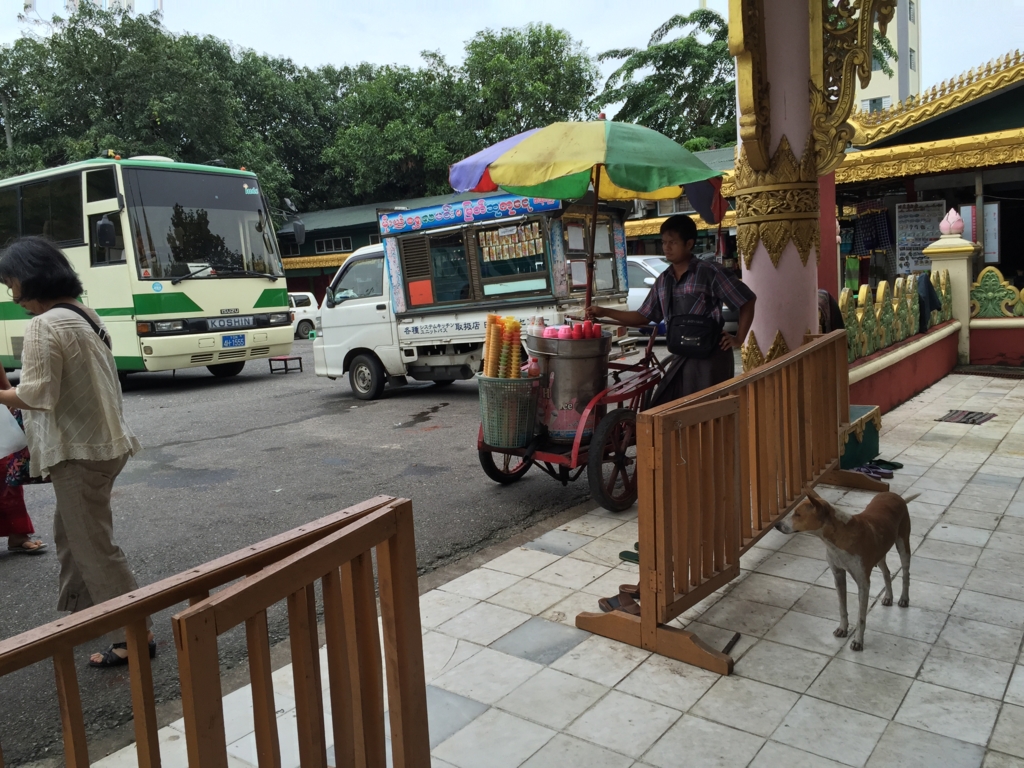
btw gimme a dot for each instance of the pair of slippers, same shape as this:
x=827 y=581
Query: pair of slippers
x=631 y=557
x=625 y=601
x=879 y=469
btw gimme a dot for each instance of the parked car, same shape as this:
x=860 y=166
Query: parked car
x=303 y=308
x=641 y=272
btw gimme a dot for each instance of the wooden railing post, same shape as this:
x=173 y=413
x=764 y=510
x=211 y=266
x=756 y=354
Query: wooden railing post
x=309 y=706
x=199 y=671
x=403 y=643
x=76 y=750
x=268 y=745
x=147 y=742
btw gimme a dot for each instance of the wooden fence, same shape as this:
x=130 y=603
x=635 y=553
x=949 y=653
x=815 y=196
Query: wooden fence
x=716 y=470
x=56 y=641
x=342 y=563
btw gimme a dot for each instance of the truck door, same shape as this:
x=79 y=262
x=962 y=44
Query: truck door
x=361 y=315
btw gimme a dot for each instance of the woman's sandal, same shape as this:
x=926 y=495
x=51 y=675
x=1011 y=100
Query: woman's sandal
x=21 y=549
x=111 y=659
x=887 y=464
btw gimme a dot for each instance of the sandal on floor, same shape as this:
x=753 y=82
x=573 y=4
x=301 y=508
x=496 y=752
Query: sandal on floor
x=633 y=590
x=629 y=557
x=111 y=659
x=621 y=602
x=873 y=473
x=23 y=550
x=891 y=465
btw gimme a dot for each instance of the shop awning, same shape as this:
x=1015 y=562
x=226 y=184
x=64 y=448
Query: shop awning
x=312 y=262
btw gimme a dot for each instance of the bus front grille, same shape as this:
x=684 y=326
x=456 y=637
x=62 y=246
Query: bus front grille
x=233 y=355
x=204 y=358
x=259 y=351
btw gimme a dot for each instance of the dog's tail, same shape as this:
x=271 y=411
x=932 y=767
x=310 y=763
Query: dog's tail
x=909 y=499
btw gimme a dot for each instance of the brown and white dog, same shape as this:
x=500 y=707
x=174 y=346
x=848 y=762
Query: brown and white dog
x=857 y=543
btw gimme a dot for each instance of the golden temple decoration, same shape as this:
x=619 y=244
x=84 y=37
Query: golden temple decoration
x=777 y=205
x=876 y=320
x=652 y=227
x=841 y=38
x=978 y=83
x=751 y=352
x=967 y=153
x=747 y=44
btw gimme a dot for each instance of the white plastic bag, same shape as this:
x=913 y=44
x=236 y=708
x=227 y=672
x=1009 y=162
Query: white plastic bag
x=12 y=438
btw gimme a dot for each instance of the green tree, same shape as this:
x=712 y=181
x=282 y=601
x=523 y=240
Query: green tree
x=527 y=77
x=683 y=85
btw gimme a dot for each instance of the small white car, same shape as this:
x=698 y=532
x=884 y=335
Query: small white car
x=641 y=272
x=303 y=308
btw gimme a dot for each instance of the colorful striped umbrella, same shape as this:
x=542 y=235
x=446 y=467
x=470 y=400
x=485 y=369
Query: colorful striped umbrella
x=621 y=161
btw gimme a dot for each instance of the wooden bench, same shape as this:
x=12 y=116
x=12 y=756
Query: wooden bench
x=286 y=359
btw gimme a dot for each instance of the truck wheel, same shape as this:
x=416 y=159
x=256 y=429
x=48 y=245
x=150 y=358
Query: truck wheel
x=507 y=469
x=304 y=328
x=224 y=370
x=366 y=377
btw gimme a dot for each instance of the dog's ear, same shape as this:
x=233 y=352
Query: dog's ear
x=822 y=507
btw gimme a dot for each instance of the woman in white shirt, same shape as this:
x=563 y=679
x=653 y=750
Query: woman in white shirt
x=71 y=400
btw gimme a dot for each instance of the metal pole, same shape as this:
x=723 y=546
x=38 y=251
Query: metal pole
x=593 y=235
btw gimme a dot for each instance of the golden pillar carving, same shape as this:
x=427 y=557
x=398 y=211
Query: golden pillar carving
x=751 y=352
x=841 y=40
x=777 y=205
x=747 y=44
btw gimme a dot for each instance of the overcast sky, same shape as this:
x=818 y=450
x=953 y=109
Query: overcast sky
x=956 y=35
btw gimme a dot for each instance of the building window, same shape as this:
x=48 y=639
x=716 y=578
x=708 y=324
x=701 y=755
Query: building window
x=912 y=11
x=374 y=239
x=874 y=105
x=679 y=205
x=334 y=245
x=290 y=249
x=876 y=62
x=912 y=60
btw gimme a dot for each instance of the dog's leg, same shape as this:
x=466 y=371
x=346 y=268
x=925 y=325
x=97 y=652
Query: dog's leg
x=903 y=548
x=844 y=618
x=884 y=568
x=863 y=594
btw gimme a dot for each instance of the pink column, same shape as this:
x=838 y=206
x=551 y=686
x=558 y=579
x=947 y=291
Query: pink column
x=784 y=280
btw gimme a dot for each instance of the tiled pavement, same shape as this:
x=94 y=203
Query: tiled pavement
x=512 y=682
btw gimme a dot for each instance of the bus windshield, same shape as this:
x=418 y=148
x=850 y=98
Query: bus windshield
x=200 y=225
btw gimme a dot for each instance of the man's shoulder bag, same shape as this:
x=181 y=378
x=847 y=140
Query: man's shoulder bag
x=693 y=336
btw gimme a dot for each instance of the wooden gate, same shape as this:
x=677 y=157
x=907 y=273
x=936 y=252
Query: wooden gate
x=342 y=563
x=716 y=470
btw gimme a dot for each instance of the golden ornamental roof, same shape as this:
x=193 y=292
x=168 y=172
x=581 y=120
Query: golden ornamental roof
x=650 y=227
x=311 y=262
x=871 y=127
x=944 y=156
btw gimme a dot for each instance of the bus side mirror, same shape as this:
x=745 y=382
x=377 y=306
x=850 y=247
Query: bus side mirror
x=106 y=235
x=299 y=230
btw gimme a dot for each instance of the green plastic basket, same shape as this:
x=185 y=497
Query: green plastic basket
x=508 y=410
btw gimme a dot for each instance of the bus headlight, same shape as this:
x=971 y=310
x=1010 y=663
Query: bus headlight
x=280 y=318
x=169 y=326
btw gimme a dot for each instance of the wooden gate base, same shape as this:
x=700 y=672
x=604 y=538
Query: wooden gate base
x=668 y=641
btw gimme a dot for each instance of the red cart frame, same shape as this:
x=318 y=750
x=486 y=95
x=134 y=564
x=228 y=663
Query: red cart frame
x=611 y=470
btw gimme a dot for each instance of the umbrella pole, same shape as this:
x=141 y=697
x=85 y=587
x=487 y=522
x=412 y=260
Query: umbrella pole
x=593 y=235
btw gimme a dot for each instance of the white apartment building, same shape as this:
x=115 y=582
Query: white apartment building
x=904 y=33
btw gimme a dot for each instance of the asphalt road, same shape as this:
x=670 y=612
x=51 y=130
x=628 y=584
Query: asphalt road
x=230 y=462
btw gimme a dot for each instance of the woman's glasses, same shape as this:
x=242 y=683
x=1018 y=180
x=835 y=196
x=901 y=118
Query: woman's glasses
x=10 y=292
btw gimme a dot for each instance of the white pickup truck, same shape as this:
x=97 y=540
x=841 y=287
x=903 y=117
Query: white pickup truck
x=416 y=304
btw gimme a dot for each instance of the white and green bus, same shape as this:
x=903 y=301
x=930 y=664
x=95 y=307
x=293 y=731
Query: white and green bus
x=179 y=260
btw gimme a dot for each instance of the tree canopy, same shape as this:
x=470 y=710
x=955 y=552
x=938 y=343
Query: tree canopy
x=324 y=137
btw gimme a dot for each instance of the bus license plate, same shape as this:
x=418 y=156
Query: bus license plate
x=229 y=323
x=234 y=340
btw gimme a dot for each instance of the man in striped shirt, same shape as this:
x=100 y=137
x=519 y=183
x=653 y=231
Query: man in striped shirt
x=690 y=287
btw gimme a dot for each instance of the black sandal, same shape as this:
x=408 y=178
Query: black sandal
x=111 y=659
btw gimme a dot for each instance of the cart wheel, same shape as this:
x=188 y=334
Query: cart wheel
x=506 y=469
x=611 y=466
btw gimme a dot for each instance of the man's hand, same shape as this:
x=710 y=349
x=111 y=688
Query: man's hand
x=594 y=313
x=729 y=341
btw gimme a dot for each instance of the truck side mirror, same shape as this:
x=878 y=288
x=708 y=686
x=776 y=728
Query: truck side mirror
x=648 y=281
x=299 y=230
x=329 y=299
x=106 y=234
